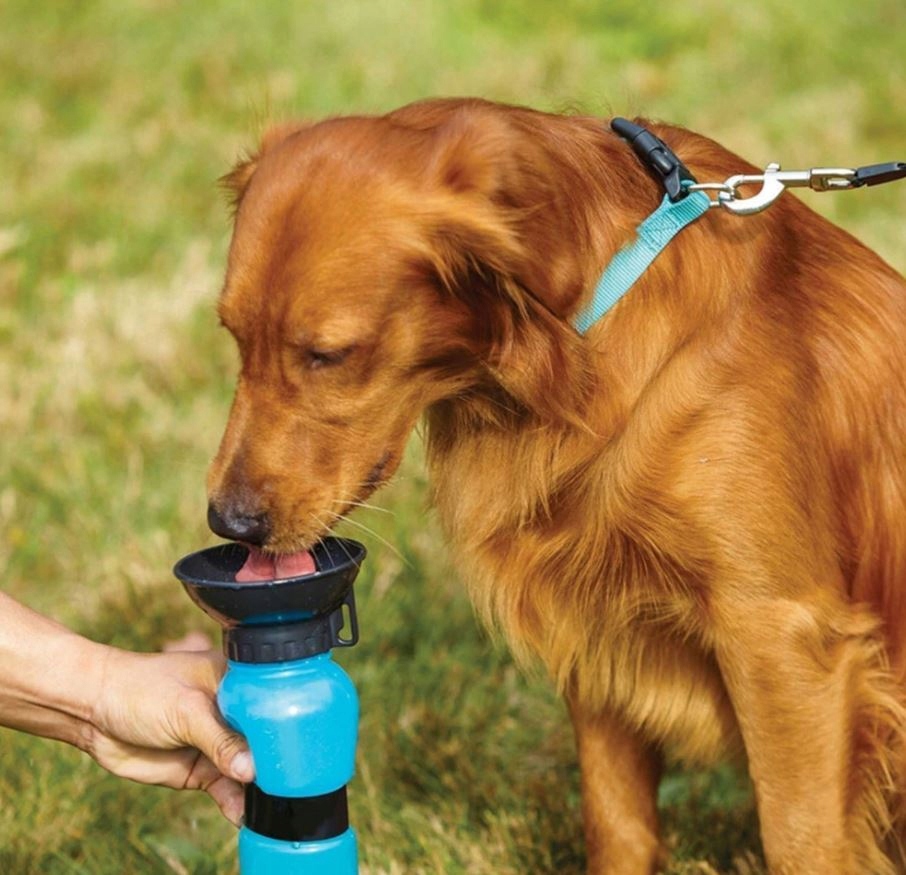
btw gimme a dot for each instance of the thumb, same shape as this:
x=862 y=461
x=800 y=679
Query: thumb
x=226 y=749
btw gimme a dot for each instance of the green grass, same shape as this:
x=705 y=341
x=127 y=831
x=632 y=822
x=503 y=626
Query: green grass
x=115 y=380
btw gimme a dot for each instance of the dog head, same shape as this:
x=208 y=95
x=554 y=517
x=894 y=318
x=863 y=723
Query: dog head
x=379 y=266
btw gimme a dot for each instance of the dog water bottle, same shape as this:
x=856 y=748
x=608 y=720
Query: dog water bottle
x=296 y=707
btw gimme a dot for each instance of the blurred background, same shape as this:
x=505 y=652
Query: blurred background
x=115 y=379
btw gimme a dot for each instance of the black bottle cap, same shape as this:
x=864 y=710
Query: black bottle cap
x=262 y=643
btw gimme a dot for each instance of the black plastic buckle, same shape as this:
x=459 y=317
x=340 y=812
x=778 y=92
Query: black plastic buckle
x=657 y=156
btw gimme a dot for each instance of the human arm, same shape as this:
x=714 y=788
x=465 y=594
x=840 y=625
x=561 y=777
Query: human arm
x=150 y=717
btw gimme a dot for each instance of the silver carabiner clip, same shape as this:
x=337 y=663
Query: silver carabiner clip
x=774 y=182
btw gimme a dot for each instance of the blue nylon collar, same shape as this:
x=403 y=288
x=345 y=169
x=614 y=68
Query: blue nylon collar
x=633 y=260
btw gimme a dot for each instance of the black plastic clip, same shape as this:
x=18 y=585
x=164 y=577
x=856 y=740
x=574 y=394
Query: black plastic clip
x=657 y=156
x=338 y=623
x=875 y=174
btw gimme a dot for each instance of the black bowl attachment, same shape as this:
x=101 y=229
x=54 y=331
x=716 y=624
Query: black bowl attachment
x=276 y=620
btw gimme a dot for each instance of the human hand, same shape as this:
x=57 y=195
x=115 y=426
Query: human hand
x=155 y=720
x=150 y=717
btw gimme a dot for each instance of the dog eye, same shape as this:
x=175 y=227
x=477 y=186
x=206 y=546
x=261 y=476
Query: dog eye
x=325 y=358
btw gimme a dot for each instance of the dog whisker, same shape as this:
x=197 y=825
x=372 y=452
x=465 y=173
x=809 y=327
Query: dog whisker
x=368 y=530
x=321 y=524
x=328 y=526
x=351 y=502
x=364 y=505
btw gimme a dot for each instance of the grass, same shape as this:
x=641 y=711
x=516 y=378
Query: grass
x=115 y=380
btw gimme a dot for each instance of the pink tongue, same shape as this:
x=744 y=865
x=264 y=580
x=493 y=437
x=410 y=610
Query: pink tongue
x=260 y=566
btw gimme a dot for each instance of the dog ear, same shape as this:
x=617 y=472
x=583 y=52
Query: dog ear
x=531 y=353
x=520 y=165
x=466 y=156
x=483 y=258
x=539 y=359
x=237 y=180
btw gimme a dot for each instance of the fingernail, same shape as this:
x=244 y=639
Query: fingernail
x=242 y=767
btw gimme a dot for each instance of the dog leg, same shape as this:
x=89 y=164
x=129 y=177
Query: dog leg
x=620 y=774
x=809 y=688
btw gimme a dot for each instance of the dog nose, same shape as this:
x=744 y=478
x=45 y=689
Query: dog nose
x=239 y=527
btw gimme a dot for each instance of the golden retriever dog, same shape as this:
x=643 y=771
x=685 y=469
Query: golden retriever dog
x=694 y=514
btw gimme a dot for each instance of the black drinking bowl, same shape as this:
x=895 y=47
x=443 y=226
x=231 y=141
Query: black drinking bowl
x=209 y=577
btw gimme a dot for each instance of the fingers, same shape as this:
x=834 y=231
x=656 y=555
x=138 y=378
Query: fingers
x=168 y=768
x=228 y=794
x=195 y=720
x=227 y=750
x=181 y=769
x=167 y=730
x=194 y=641
x=230 y=798
x=204 y=668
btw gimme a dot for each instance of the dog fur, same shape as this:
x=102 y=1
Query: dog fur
x=695 y=516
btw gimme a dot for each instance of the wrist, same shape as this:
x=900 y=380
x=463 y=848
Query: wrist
x=79 y=684
x=49 y=676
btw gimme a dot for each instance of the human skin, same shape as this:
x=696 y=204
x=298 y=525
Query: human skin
x=149 y=717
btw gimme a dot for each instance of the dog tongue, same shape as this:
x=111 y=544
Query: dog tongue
x=260 y=566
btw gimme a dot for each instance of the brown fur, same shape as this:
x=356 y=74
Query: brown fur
x=695 y=517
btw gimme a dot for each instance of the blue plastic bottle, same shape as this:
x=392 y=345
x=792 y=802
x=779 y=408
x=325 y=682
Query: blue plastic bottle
x=296 y=707
x=300 y=718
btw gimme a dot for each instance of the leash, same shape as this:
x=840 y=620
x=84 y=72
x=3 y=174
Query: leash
x=686 y=199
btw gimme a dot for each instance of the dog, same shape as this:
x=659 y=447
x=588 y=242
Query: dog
x=694 y=515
